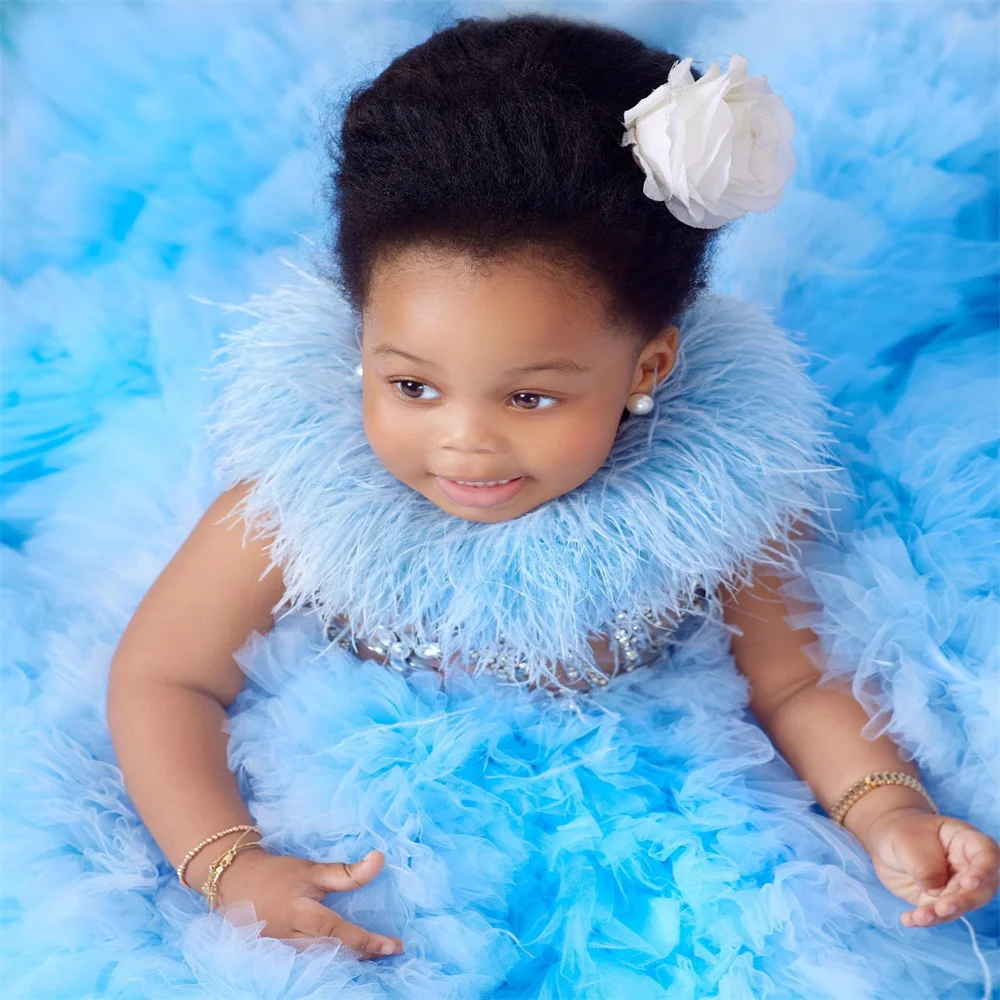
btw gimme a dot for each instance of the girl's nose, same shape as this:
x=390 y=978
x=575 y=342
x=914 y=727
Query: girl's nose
x=468 y=429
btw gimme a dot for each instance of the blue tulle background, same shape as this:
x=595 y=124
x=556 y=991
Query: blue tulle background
x=160 y=153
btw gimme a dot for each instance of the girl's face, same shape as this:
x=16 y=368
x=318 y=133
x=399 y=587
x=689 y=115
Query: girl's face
x=507 y=376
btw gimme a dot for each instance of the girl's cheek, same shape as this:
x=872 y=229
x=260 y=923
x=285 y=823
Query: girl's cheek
x=393 y=439
x=574 y=447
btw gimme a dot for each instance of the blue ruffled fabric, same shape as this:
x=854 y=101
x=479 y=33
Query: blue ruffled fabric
x=653 y=845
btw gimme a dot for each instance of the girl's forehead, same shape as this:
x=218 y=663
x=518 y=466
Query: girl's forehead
x=422 y=295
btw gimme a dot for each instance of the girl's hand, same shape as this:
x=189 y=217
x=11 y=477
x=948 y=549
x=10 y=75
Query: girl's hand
x=943 y=865
x=286 y=893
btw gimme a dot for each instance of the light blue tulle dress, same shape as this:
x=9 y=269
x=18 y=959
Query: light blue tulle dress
x=642 y=839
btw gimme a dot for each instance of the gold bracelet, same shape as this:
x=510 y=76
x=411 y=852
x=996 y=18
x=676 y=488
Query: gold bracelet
x=218 y=866
x=182 y=867
x=874 y=780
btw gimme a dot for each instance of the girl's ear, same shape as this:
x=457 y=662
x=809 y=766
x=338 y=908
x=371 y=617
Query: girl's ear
x=656 y=361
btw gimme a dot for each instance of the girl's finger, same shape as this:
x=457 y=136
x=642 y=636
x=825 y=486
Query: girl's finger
x=313 y=919
x=920 y=917
x=977 y=876
x=950 y=905
x=928 y=896
x=339 y=876
x=982 y=852
x=975 y=889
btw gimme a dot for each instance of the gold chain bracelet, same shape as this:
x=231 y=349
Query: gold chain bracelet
x=182 y=867
x=220 y=864
x=874 y=780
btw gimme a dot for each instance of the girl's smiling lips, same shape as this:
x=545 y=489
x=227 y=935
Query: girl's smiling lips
x=464 y=492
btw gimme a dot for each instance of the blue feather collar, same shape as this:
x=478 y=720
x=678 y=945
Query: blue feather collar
x=735 y=448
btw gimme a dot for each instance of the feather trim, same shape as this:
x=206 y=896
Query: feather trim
x=691 y=496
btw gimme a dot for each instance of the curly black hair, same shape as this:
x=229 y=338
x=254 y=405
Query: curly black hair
x=498 y=136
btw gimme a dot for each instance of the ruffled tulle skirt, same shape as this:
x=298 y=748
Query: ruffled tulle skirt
x=648 y=842
x=645 y=842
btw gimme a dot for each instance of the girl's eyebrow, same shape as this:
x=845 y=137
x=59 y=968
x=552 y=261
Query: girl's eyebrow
x=565 y=365
x=384 y=349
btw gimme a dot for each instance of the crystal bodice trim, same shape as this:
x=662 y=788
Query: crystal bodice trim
x=636 y=640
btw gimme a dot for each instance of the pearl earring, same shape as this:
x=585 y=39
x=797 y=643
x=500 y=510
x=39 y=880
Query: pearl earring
x=639 y=403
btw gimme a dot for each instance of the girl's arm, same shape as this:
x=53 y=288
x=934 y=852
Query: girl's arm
x=942 y=865
x=817 y=729
x=172 y=677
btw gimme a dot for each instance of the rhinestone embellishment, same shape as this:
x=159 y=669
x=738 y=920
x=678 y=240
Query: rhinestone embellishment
x=635 y=639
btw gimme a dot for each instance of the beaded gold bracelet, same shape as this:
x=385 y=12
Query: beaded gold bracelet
x=874 y=780
x=182 y=867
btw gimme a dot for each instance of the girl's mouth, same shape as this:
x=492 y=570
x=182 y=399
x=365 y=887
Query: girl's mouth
x=480 y=493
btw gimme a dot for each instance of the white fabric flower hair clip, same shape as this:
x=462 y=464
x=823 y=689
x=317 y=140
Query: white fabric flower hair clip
x=712 y=149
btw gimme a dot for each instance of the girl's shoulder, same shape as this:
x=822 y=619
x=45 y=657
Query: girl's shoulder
x=218 y=588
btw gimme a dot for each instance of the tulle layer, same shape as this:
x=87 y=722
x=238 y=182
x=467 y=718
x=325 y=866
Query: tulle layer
x=653 y=845
x=645 y=843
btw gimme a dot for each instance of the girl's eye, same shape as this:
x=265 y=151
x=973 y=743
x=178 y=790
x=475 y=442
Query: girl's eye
x=411 y=389
x=533 y=401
